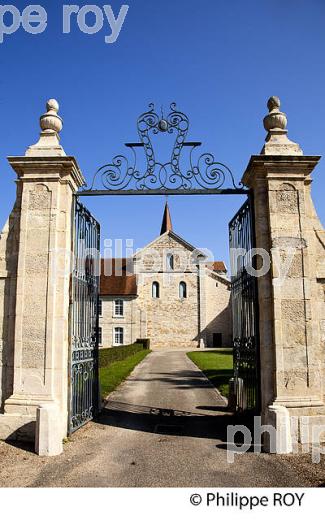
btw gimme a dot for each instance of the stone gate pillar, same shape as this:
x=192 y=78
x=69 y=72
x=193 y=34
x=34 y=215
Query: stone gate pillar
x=291 y=295
x=47 y=180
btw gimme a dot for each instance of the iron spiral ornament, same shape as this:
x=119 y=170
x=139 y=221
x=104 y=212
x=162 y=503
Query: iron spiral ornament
x=201 y=173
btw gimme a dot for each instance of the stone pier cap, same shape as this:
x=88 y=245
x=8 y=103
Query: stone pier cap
x=279 y=166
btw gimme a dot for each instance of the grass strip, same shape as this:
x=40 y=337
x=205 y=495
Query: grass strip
x=113 y=375
x=217 y=366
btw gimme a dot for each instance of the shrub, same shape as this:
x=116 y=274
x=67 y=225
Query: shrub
x=109 y=355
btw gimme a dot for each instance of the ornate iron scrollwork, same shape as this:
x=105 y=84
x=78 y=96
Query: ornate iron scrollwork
x=204 y=173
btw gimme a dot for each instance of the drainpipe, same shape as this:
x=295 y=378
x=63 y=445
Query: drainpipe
x=201 y=306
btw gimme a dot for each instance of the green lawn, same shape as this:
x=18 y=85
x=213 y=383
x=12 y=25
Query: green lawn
x=112 y=376
x=217 y=366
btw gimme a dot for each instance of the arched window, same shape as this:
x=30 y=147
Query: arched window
x=182 y=290
x=155 y=290
x=170 y=262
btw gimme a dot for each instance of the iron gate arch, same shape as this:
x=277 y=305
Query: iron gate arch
x=181 y=174
x=84 y=297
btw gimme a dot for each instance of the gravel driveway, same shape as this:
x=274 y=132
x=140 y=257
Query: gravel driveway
x=164 y=427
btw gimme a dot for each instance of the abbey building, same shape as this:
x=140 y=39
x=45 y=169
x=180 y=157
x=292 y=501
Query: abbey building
x=167 y=292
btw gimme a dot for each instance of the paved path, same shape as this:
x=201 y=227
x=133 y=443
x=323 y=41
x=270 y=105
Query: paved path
x=164 y=427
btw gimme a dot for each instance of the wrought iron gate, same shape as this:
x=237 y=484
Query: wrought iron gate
x=245 y=309
x=84 y=388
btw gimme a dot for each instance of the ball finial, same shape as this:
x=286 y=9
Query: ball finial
x=51 y=121
x=273 y=103
x=52 y=104
x=275 y=120
x=275 y=123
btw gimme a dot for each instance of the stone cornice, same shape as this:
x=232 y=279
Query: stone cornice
x=51 y=169
x=279 y=166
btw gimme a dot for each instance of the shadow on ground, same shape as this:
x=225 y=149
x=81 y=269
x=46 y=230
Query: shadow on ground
x=162 y=421
x=187 y=379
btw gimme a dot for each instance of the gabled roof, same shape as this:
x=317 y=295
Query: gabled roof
x=217 y=267
x=117 y=277
x=177 y=238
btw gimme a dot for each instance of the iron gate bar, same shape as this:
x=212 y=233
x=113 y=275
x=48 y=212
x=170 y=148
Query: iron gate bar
x=83 y=387
x=191 y=144
x=245 y=309
x=209 y=191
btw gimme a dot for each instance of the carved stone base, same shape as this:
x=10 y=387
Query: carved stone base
x=279 y=440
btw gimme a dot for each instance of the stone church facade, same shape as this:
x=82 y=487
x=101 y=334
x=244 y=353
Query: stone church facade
x=168 y=292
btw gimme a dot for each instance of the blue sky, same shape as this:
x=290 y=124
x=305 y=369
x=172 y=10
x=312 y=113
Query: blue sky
x=220 y=60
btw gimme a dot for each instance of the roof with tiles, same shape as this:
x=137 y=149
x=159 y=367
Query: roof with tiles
x=117 y=277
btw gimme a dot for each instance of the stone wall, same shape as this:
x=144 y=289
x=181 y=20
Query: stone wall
x=171 y=322
x=218 y=309
x=319 y=291
x=132 y=321
x=9 y=238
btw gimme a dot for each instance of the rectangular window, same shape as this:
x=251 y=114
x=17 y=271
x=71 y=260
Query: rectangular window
x=100 y=307
x=119 y=308
x=118 y=336
x=100 y=336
